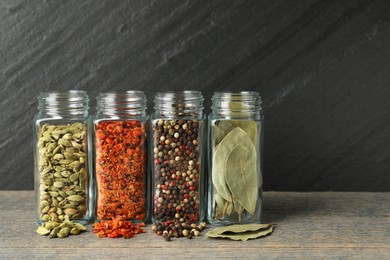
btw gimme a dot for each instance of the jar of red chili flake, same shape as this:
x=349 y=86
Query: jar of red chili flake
x=121 y=155
x=177 y=150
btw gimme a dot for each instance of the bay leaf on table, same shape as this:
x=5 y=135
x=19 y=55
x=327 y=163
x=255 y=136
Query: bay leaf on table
x=239 y=228
x=243 y=236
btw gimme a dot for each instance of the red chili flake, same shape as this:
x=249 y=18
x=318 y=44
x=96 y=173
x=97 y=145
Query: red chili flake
x=121 y=157
x=117 y=227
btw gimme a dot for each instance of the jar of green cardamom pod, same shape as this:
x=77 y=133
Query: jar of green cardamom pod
x=62 y=172
x=235 y=131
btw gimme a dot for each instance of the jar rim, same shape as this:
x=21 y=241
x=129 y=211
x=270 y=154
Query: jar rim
x=236 y=104
x=179 y=96
x=238 y=94
x=185 y=103
x=116 y=97
x=121 y=103
x=63 y=103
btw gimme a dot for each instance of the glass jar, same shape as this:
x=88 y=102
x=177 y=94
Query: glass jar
x=177 y=151
x=62 y=157
x=235 y=158
x=121 y=155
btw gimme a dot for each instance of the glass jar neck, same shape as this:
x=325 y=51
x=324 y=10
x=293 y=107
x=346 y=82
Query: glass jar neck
x=236 y=105
x=179 y=104
x=122 y=104
x=67 y=104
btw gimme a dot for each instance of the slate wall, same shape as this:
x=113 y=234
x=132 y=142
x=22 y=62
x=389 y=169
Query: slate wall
x=321 y=66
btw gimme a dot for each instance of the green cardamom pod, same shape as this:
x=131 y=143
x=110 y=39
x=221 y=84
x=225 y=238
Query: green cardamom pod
x=45 y=209
x=42 y=231
x=74 y=176
x=64 y=230
x=75 y=231
x=58 y=184
x=70 y=211
x=54 y=232
x=70 y=192
x=75 y=164
x=58 y=156
x=79 y=226
x=64 y=142
x=67 y=136
x=65 y=162
x=51 y=225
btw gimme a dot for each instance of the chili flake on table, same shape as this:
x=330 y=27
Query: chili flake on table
x=117 y=227
x=121 y=158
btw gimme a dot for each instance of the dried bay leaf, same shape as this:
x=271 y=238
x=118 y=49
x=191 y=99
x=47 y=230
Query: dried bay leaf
x=222 y=207
x=250 y=127
x=221 y=129
x=219 y=134
x=234 y=169
x=219 y=201
x=219 y=205
x=219 y=168
x=226 y=125
x=244 y=235
x=241 y=168
x=241 y=177
x=239 y=228
x=238 y=108
x=238 y=208
x=229 y=207
x=221 y=155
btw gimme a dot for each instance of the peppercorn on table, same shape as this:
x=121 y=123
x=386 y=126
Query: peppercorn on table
x=309 y=225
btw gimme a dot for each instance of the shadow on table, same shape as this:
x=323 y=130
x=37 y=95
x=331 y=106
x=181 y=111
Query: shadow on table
x=280 y=206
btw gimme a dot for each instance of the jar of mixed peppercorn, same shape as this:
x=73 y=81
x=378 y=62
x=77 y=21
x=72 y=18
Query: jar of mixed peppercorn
x=62 y=157
x=235 y=158
x=121 y=155
x=177 y=129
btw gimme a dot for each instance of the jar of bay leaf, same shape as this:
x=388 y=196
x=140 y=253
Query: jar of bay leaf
x=121 y=155
x=235 y=161
x=177 y=129
x=62 y=157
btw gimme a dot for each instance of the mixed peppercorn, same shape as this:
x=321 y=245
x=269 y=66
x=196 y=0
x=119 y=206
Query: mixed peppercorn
x=176 y=170
x=171 y=229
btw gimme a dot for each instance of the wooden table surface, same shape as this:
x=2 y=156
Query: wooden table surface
x=309 y=226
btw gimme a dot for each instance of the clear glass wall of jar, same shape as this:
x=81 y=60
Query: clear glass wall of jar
x=235 y=129
x=121 y=155
x=62 y=157
x=177 y=150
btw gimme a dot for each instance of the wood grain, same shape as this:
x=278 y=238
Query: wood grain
x=309 y=225
x=321 y=67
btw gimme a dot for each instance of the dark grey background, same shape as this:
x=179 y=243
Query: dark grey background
x=322 y=68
